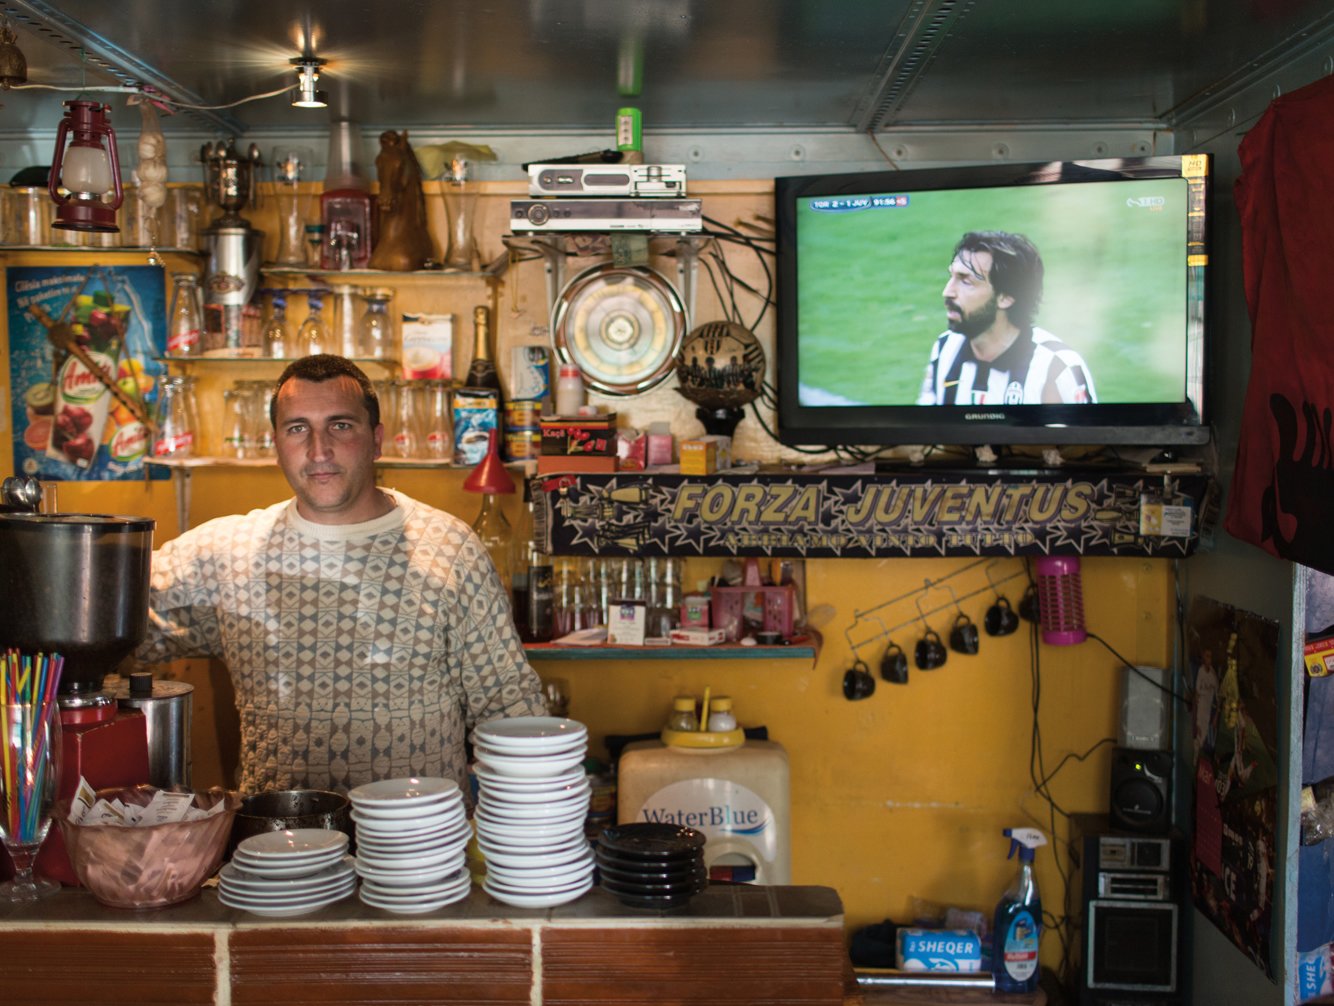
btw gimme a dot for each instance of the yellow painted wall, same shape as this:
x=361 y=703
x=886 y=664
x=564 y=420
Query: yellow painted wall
x=895 y=798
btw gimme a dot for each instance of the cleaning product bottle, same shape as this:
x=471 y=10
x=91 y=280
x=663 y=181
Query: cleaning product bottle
x=1018 y=921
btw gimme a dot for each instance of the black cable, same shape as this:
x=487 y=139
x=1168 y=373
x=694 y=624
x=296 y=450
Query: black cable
x=1167 y=689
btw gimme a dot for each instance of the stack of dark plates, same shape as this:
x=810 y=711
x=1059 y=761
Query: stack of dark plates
x=650 y=865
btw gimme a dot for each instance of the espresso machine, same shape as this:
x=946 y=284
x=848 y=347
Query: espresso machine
x=77 y=584
x=231 y=183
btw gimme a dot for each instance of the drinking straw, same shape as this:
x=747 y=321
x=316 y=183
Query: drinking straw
x=27 y=685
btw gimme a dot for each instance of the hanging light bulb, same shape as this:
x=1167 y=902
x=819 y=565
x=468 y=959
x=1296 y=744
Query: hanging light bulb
x=87 y=171
x=307 y=74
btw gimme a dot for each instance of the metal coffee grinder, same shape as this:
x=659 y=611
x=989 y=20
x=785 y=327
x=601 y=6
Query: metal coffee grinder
x=77 y=584
x=231 y=183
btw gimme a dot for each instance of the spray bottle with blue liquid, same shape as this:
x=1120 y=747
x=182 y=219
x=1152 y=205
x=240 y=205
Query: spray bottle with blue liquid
x=1017 y=926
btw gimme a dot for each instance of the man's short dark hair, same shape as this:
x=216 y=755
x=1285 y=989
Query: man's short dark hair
x=325 y=367
x=1016 y=270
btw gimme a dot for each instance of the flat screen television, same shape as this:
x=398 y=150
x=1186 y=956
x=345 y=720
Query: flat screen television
x=1056 y=304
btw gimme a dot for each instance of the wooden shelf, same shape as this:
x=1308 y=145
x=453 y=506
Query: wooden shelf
x=726 y=651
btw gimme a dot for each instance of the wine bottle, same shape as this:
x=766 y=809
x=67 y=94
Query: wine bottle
x=482 y=371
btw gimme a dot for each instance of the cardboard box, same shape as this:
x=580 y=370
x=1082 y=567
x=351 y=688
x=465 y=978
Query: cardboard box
x=938 y=950
x=583 y=435
x=1319 y=655
x=627 y=622
x=697 y=637
x=554 y=464
x=705 y=455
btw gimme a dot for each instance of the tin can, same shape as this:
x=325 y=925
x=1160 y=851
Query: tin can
x=523 y=415
x=629 y=129
x=523 y=445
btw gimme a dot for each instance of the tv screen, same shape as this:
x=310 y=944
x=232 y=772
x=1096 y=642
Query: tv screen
x=1056 y=303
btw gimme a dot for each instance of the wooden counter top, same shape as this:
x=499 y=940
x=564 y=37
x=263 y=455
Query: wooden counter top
x=735 y=943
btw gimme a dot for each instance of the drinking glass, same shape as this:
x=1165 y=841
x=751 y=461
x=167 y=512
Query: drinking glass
x=29 y=768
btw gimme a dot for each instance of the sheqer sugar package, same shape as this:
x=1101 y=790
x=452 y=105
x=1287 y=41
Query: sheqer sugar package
x=939 y=950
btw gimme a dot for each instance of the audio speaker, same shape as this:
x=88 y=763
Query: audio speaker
x=1140 y=791
x=1146 y=708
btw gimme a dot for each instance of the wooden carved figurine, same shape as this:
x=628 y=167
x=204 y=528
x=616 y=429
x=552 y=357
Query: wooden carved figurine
x=404 y=242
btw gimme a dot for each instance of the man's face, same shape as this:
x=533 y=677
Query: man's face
x=971 y=303
x=327 y=450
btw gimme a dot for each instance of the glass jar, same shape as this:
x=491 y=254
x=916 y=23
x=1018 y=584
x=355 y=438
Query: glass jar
x=683 y=717
x=375 y=337
x=177 y=419
x=185 y=333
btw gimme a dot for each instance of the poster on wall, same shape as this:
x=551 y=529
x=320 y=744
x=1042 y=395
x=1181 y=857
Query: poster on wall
x=1233 y=658
x=84 y=349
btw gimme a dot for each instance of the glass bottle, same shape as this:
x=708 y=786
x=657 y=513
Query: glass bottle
x=721 y=717
x=495 y=534
x=185 y=333
x=313 y=336
x=277 y=337
x=482 y=370
x=375 y=337
x=683 y=717
x=540 y=621
x=177 y=419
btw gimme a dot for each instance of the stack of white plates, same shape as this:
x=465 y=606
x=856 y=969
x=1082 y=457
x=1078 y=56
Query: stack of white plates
x=411 y=837
x=531 y=807
x=288 y=872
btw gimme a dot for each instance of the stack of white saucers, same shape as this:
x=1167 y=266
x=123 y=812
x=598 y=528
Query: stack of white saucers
x=288 y=872
x=411 y=837
x=531 y=807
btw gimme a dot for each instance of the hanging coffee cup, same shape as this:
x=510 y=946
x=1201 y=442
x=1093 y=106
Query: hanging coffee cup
x=964 y=635
x=1029 y=608
x=1001 y=619
x=894 y=664
x=858 y=682
x=930 y=652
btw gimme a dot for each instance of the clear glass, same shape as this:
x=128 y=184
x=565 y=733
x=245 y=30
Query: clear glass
x=460 y=197
x=313 y=335
x=375 y=336
x=291 y=165
x=185 y=205
x=277 y=336
x=496 y=537
x=439 y=441
x=29 y=216
x=314 y=245
x=177 y=419
x=235 y=429
x=259 y=431
x=346 y=319
x=31 y=740
x=185 y=333
x=409 y=398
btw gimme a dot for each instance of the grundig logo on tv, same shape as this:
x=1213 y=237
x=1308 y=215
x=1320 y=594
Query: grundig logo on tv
x=983 y=415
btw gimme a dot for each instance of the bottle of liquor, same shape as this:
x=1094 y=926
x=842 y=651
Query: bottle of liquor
x=482 y=371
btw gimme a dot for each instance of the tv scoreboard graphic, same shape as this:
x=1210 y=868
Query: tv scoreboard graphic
x=872 y=516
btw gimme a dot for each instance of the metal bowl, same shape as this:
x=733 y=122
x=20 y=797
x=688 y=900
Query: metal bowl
x=281 y=810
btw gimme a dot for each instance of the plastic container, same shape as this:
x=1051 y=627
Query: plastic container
x=1017 y=925
x=738 y=796
x=569 y=390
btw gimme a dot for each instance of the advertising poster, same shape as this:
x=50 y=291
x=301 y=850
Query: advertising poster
x=84 y=343
x=1233 y=658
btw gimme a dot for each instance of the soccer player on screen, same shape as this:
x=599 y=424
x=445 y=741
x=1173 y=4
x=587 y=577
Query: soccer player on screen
x=992 y=353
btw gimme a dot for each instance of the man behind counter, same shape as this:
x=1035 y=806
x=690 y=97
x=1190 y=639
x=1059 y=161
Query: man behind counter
x=364 y=631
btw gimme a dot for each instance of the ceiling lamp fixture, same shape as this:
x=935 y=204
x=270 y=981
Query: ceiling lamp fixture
x=307 y=74
x=85 y=176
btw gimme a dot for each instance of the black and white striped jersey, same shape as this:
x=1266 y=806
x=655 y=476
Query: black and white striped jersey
x=1022 y=375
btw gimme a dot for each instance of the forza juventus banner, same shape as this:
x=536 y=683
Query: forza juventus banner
x=866 y=516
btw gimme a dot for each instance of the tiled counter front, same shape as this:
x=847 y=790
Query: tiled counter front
x=739 y=944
